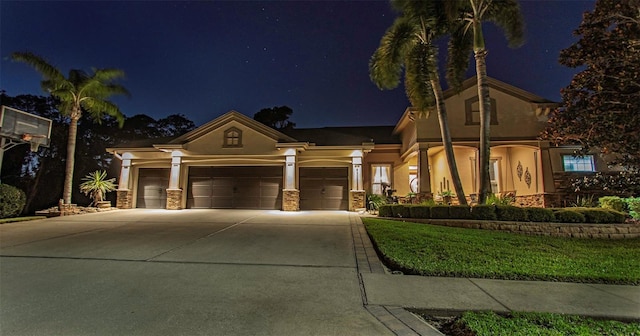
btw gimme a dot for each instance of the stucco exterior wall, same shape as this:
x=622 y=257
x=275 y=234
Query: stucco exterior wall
x=253 y=143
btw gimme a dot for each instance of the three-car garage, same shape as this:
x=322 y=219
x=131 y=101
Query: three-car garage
x=247 y=187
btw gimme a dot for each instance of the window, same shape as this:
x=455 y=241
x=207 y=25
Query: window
x=578 y=164
x=472 y=111
x=380 y=178
x=413 y=178
x=233 y=138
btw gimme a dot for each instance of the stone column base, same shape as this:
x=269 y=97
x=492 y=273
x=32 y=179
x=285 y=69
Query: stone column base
x=290 y=200
x=124 y=199
x=174 y=199
x=358 y=200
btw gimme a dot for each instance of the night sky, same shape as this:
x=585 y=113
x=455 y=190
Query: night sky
x=204 y=58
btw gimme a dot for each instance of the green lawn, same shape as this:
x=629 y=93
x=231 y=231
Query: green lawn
x=526 y=324
x=20 y=219
x=445 y=251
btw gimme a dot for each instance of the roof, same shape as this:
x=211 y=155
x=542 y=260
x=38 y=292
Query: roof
x=345 y=136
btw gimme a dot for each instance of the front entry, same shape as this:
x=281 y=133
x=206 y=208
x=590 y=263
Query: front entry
x=324 y=188
x=152 y=188
x=235 y=188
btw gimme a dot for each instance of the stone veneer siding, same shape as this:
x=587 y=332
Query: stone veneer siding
x=174 y=199
x=358 y=200
x=606 y=231
x=291 y=200
x=124 y=199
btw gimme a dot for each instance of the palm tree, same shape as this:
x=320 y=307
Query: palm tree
x=408 y=44
x=469 y=16
x=77 y=93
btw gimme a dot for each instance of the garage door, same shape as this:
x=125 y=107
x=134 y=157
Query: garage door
x=235 y=187
x=152 y=188
x=324 y=188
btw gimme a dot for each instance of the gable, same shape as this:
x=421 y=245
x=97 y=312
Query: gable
x=516 y=114
x=251 y=137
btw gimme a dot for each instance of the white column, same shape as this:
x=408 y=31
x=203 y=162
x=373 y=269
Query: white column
x=290 y=172
x=357 y=181
x=174 y=179
x=125 y=173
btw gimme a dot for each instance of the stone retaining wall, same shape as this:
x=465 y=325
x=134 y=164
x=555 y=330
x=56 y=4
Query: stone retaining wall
x=604 y=231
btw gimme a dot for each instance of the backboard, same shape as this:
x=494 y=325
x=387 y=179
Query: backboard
x=19 y=126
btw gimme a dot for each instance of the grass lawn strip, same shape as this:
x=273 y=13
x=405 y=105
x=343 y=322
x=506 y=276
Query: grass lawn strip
x=20 y=219
x=526 y=324
x=446 y=251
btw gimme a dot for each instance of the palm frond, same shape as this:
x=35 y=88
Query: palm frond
x=385 y=66
x=421 y=62
x=507 y=15
x=98 y=107
x=460 y=48
x=47 y=70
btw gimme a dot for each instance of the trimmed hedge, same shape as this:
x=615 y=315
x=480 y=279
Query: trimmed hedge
x=484 y=211
x=569 y=216
x=420 y=211
x=385 y=211
x=633 y=203
x=12 y=201
x=511 y=213
x=540 y=215
x=440 y=212
x=504 y=213
x=400 y=210
x=460 y=212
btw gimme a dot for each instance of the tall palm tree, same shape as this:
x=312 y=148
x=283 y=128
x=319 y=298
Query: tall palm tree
x=408 y=44
x=78 y=92
x=467 y=17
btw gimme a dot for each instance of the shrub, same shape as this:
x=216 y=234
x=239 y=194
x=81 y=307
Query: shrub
x=385 y=211
x=511 y=213
x=596 y=215
x=375 y=201
x=12 y=201
x=618 y=217
x=569 y=216
x=428 y=202
x=493 y=199
x=613 y=202
x=420 y=211
x=483 y=211
x=540 y=215
x=440 y=212
x=460 y=212
x=633 y=203
x=400 y=210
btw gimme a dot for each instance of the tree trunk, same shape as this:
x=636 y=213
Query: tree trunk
x=71 y=151
x=485 y=125
x=446 y=138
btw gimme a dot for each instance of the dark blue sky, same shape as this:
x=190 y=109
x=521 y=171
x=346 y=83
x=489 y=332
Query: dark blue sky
x=203 y=58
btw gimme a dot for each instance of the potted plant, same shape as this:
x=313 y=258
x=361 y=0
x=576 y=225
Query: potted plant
x=96 y=185
x=447 y=196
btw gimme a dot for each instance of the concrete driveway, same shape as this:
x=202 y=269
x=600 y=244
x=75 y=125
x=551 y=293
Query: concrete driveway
x=190 y=272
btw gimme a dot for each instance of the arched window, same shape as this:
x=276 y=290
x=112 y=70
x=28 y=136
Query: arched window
x=233 y=137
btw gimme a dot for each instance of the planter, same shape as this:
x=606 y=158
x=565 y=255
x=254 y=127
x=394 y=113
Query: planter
x=103 y=204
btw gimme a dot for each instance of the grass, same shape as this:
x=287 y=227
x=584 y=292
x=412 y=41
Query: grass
x=20 y=219
x=446 y=251
x=525 y=324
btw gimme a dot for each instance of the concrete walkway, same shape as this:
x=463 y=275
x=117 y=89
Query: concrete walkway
x=204 y=272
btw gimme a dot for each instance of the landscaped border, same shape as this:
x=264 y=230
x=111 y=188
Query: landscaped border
x=597 y=231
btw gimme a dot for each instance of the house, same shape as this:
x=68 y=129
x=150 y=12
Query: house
x=236 y=162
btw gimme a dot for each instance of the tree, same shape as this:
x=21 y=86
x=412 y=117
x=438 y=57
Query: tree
x=276 y=117
x=601 y=105
x=468 y=16
x=77 y=92
x=174 y=125
x=408 y=44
